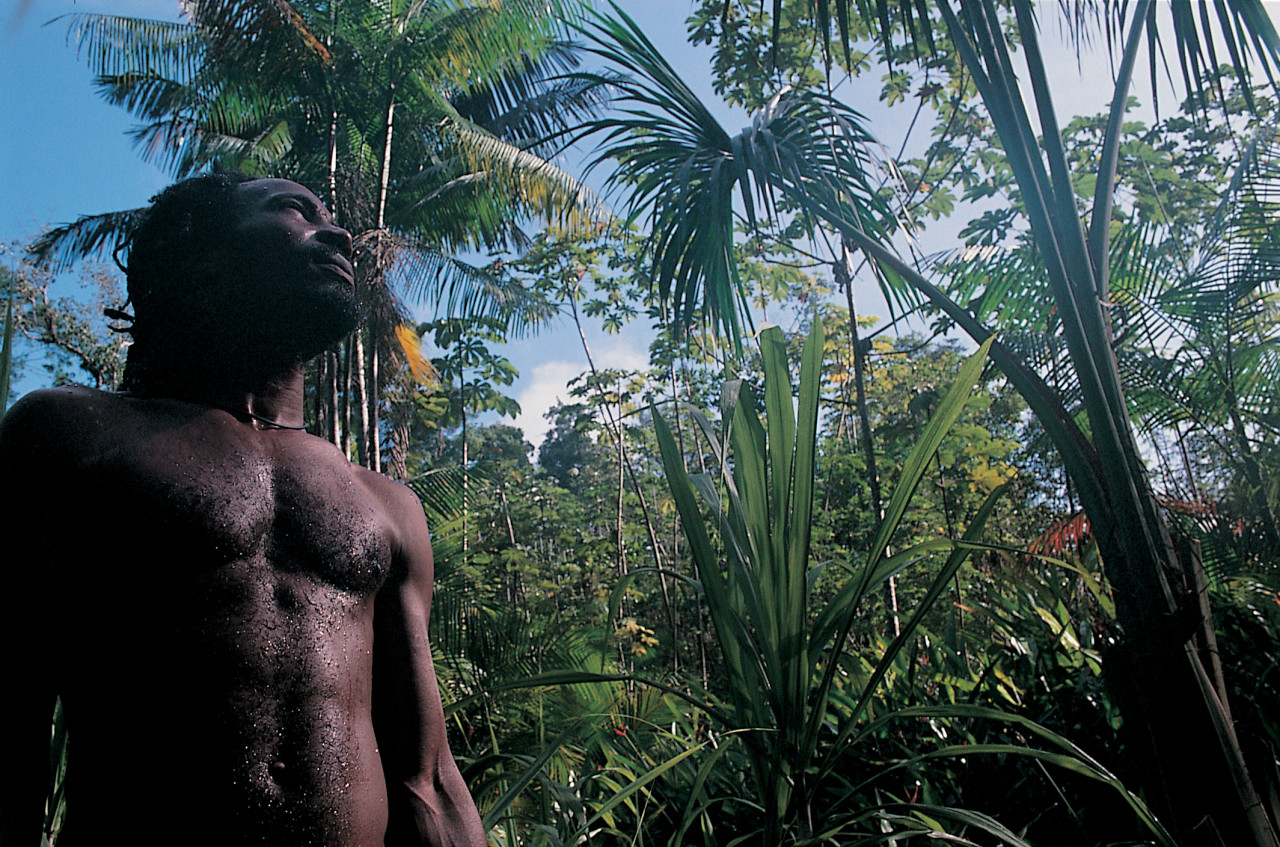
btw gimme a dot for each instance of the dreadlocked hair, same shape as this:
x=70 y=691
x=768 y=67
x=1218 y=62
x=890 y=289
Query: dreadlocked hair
x=186 y=224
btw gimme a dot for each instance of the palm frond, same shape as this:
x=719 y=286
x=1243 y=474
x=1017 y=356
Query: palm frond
x=115 y=45
x=457 y=288
x=1244 y=27
x=269 y=39
x=535 y=184
x=534 y=104
x=90 y=235
x=684 y=172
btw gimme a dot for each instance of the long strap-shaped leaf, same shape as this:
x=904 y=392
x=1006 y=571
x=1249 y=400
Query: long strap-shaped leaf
x=839 y=612
x=941 y=582
x=838 y=616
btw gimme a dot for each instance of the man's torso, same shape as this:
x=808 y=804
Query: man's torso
x=217 y=682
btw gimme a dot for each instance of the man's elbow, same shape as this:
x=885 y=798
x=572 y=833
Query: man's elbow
x=435 y=809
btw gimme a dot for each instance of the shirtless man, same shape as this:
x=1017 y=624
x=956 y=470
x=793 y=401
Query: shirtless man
x=234 y=614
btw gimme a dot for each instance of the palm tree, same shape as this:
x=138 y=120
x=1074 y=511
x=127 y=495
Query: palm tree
x=1197 y=327
x=687 y=172
x=1221 y=380
x=420 y=122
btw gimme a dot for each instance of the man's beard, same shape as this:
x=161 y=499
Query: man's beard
x=274 y=328
x=319 y=324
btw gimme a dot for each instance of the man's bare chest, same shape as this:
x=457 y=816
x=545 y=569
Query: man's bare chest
x=194 y=499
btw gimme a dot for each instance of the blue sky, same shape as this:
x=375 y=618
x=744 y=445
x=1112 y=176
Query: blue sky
x=66 y=153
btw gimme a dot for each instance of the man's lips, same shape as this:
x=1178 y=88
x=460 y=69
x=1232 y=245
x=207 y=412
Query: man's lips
x=339 y=263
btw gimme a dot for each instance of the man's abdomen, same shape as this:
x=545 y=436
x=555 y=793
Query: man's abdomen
x=238 y=714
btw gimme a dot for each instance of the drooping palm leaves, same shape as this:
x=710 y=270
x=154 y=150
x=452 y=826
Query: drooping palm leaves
x=685 y=173
x=1199 y=29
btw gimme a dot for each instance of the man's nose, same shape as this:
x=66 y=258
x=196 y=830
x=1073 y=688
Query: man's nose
x=336 y=236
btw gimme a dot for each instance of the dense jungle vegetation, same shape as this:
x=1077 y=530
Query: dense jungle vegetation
x=1009 y=577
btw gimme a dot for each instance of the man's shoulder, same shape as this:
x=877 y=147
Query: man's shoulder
x=63 y=416
x=401 y=506
x=396 y=497
x=63 y=398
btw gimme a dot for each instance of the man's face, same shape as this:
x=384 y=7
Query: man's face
x=288 y=268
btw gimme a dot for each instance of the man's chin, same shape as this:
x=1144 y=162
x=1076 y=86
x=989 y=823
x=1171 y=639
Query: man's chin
x=326 y=328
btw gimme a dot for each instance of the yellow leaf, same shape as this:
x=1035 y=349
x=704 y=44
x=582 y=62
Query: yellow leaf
x=419 y=365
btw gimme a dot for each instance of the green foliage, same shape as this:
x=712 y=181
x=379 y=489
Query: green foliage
x=657 y=153
x=74 y=339
x=1244 y=26
x=469 y=371
x=783 y=655
x=749 y=686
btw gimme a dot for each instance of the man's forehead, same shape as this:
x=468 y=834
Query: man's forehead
x=261 y=190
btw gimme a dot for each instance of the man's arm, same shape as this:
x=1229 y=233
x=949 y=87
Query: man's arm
x=28 y=669
x=428 y=803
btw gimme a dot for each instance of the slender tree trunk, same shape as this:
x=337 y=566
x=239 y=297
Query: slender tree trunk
x=333 y=358
x=361 y=398
x=385 y=178
x=373 y=444
x=614 y=428
x=622 y=487
x=373 y=441
x=346 y=397
x=333 y=161
x=672 y=617
x=466 y=472
x=327 y=388
x=324 y=416
x=845 y=279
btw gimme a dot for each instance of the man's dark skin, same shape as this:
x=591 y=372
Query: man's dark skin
x=234 y=615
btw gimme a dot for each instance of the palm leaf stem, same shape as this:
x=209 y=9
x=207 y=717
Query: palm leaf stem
x=1104 y=190
x=1060 y=239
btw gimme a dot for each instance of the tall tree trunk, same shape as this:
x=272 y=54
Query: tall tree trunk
x=361 y=399
x=614 y=428
x=845 y=280
x=324 y=413
x=466 y=472
x=622 y=487
x=373 y=441
x=385 y=177
x=346 y=396
x=373 y=445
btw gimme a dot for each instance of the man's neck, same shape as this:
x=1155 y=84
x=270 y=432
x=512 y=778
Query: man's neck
x=271 y=401
x=274 y=403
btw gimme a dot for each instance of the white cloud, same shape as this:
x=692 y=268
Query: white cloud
x=547 y=384
x=545 y=388
x=622 y=356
